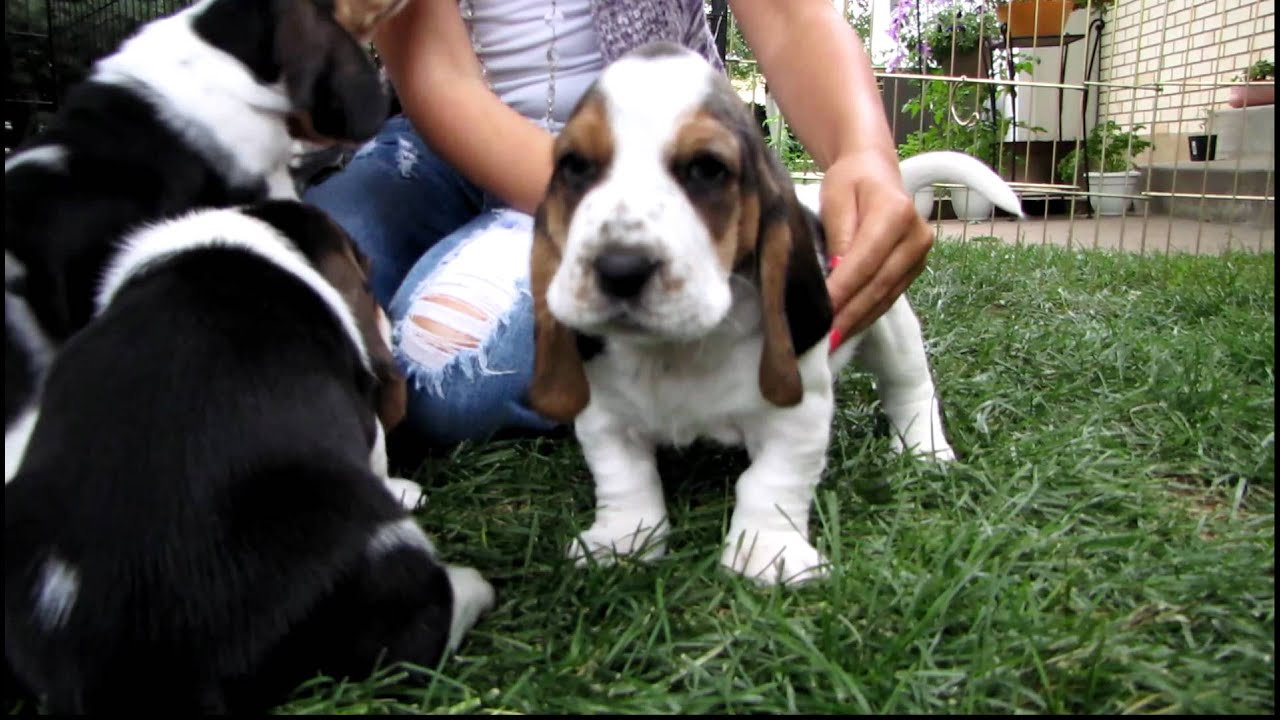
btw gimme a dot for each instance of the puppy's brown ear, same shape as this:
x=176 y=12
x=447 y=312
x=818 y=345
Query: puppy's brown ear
x=347 y=270
x=391 y=396
x=335 y=89
x=559 y=389
x=360 y=17
x=793 y=291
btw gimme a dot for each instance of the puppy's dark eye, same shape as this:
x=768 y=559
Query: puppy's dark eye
x=703 y=172
x=576 y=170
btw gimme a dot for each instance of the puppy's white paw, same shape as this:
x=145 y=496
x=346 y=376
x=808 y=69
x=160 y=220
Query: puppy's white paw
x=917 y=428
x=926 y=449
x=773 y=557
x=621 y=537
x=407 y=492
x=472 y=597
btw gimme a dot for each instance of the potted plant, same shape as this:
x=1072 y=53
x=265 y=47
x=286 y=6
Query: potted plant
x=1256 y=89
x=1041 y=18
x=1108 y=154
x=1205 y=145
x=945 y=34
x=1035 y=18
x=954 y=38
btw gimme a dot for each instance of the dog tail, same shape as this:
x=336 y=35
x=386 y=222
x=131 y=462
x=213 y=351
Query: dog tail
x=921 y=171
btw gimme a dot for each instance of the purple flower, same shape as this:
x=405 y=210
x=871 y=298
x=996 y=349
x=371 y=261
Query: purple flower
x=907 y=27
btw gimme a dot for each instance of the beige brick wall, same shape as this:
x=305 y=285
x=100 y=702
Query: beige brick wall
x=1165 y=63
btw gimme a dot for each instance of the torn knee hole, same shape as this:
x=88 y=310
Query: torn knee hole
x=432 y=314
x=440 y=326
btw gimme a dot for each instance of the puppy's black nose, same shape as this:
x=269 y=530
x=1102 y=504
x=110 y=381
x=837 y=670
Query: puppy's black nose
x=623 y=273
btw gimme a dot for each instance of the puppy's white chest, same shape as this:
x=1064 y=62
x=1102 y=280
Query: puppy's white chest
x=678 y=397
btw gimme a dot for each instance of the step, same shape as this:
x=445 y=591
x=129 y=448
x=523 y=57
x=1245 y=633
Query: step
x=1242 y=176
x=1243 y=132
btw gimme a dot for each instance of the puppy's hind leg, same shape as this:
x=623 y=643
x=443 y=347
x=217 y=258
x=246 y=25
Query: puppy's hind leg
x=406 y=492
x=398 y=604
x=407 y=592
x=892 y=350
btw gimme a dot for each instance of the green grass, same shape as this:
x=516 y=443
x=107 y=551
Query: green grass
x=1105 y=544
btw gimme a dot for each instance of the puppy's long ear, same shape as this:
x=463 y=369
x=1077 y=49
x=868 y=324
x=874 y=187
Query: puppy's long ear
x=360 y=17
x=559 y=389
x=391 y=397
x=348 y=270
x=334 y=255
x=335 y=89
x=794 y=300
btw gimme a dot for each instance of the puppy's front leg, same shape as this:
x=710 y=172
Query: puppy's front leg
x=768 y=538
x=631 y=514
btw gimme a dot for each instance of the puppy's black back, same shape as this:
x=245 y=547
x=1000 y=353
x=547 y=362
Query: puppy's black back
x=122 y=167
x=200 y=469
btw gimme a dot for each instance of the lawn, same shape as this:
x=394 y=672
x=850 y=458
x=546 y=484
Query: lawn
x=1105 y=544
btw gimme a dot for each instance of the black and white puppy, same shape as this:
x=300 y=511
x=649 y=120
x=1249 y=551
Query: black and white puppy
x=679 y=292
x=27 y=353
x=195 y=525
x=198 y=109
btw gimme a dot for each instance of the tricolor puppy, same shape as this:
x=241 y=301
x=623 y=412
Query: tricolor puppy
x=198 y=109
x=362 y=17
x=679 y=292
x=195 y=526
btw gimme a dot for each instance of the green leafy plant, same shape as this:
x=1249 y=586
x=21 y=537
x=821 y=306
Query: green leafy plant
x=928 y=33
x=960 y=32
x=981 y=136
x=1261 y=70
x=859 y=18
x=1109 y=148
x=789 y=148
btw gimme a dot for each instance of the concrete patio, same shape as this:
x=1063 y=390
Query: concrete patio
x=1154 y=234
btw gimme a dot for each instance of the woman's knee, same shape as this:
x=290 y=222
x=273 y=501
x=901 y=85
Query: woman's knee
x=462 y=384
x=463 y=333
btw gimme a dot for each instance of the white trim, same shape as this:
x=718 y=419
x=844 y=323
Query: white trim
x=54 y=156
x=204 y=94
x=227 y=228
x=16 y=437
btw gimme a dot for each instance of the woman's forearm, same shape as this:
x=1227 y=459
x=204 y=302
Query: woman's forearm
x=819 y=73
x=427 y=52
x=488 y=142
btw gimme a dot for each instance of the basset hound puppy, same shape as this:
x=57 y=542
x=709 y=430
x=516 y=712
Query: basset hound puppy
x=679 y=292
x=362 y=17
x=195 y=526
x=198 y=109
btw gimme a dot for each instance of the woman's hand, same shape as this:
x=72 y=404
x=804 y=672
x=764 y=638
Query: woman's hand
x=877 y=241
x=838 y=114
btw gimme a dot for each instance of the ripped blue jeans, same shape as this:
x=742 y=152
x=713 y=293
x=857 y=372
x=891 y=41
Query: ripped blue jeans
x=451 y=268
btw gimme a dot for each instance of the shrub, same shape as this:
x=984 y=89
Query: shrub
x=1109 y=149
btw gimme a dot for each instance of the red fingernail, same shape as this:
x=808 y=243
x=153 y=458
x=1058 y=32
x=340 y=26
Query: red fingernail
x=835 y=339
x=835 y=261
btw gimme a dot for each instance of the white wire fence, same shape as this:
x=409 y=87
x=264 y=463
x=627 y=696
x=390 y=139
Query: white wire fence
x=1126 y=124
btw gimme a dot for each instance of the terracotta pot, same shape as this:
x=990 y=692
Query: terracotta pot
x=1249 y=95
x=1039 y=18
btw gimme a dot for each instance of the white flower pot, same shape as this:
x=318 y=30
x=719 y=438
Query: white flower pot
x=1117 y=183
x=924 y=202
x=970 y=205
